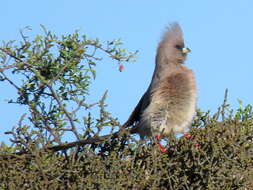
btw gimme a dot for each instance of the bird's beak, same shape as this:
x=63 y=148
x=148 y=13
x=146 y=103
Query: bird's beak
x=186 y=50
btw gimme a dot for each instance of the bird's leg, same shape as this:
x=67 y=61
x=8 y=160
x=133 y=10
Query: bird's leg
x=187 y=135
x=162 y=148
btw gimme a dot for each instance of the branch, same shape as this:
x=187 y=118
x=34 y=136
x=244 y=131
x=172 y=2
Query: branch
x=91 y=140
x=10 y=81
x=64 y=110
x=8 y=52
x=83 y=142
x=9 y=67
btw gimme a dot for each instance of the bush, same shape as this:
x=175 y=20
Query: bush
x=54 y=76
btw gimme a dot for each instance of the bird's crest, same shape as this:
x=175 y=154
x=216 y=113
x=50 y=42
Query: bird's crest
x=173 y=34
x=171 y=46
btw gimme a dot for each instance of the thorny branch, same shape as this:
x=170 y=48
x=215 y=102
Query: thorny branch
x=73 y=127
x=54 y=86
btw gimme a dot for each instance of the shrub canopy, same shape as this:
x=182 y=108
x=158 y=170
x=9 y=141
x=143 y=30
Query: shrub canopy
x=52 y=77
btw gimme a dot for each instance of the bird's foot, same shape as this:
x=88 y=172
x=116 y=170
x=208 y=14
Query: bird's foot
x=187 y=135
x=162 y=148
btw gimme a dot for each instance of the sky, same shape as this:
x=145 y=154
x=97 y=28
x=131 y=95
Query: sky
x=219 y=33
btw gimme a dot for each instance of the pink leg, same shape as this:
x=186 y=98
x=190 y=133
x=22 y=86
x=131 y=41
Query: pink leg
x=187 y=135
x=162 y=149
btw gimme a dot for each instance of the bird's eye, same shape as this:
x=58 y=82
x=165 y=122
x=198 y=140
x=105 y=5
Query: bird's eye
x=179 y=47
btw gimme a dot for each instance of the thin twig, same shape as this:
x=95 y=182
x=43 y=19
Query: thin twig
x=79 y=105
x=64 y=110
x=10 y=81
x=224 y=105
x=8 y=52
x=9 y=67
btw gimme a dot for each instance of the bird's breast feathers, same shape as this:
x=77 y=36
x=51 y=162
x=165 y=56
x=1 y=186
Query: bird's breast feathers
x=173 y=105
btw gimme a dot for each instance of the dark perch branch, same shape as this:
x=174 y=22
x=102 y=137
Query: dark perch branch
x=82 y=142
x=90 y=140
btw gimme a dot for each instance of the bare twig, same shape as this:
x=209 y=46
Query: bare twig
x=8 y=52
x=68 y=115
x=9 y=67
x=79 y=105
x=224 y=105
x=10 y=81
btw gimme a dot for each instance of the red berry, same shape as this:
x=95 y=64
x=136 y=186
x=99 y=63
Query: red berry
x=121 y=68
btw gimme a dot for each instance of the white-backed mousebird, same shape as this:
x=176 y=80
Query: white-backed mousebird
x=169 y=103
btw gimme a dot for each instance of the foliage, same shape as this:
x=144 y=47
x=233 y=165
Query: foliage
x=56 y=75
x=52 y=77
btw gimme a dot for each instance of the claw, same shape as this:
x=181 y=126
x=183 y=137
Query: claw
x=187 y=135
x=162 y=148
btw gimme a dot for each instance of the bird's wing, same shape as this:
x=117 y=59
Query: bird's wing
x=136 y=114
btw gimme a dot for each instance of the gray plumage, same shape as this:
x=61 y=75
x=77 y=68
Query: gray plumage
x=170 y=101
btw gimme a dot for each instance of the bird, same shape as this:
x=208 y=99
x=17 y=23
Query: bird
x=169 y=103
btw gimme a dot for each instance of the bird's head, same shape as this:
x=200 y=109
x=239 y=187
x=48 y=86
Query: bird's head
x=172 y=46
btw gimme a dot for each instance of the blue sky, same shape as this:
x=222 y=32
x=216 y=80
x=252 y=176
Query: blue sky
x=219 y=33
